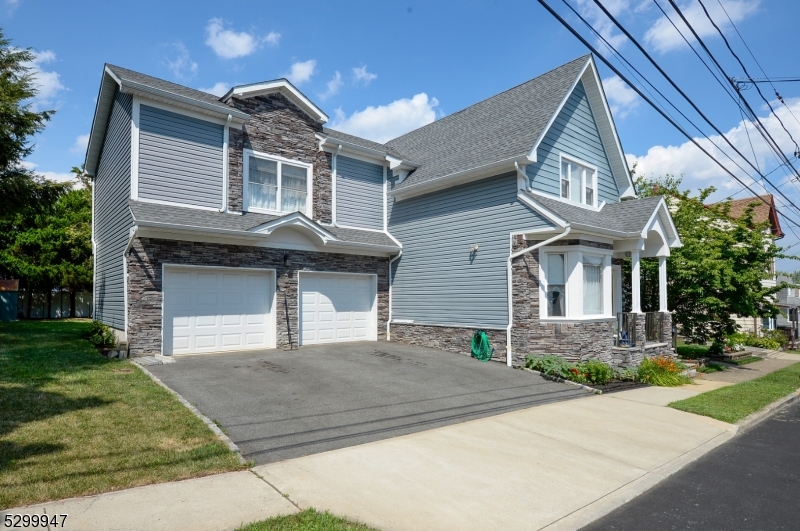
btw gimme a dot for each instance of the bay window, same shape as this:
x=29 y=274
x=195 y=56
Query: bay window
x=276 y=185
x=575 y=282
x=578 y=182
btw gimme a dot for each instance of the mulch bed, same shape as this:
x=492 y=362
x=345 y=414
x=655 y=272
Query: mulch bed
x=614 y=387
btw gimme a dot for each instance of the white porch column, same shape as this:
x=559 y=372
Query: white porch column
x=636 y=302
x=662 y=284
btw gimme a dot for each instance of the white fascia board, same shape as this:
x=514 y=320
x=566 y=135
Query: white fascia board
x=397 y=165
x=532 y=155
x=175 y=227
x=284 y=87
x=473 y=174
x=97 y=134
x=297 y=220
x=661 y=208
x=357 y=245
x=553 y=218
x=137 y=89
x=332 y=145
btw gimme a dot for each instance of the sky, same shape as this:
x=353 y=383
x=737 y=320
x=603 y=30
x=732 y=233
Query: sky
x=380 y=69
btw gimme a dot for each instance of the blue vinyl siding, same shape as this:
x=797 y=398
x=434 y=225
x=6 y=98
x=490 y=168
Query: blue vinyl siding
x=359 y=193
x=438 y=280
x=180 y=158
x=112 y=217
x=574 y=133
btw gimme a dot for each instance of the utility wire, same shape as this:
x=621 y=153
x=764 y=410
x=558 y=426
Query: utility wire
x=685 y=96
x=651 y=103
x=744 y=100
x=770 y=81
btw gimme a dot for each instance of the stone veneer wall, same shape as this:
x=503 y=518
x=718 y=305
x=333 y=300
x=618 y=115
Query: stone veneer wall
x=145 y=283
x=278 y=127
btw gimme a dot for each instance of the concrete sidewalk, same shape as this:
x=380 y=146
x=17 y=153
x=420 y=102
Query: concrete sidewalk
x=556 y=466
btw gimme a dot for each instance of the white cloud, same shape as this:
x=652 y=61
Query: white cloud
x=230 y=44
x=220 y=88
x=301 y=72
x=621 y=98
x=182 y=66
x=701 y=171
x=602 y=23
x=48 y=84
x=12 y=5
x=385 y=122
x=362 y=76
x=663 y=37
x=272 y=38
x=52 y=175
x=333 y=86
x=81 y=143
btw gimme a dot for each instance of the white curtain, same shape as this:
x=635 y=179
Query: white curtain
x=592 y=285
x=293 y=188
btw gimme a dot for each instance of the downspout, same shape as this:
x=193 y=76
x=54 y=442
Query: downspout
x=333 y=185
x=388 y=328
x=511 y=257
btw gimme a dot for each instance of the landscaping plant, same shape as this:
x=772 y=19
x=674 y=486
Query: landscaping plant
x=662 y=371
x=772 y=339
x=101 y=336
x=590 y=371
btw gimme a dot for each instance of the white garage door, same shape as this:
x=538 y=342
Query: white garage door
x=210 y=309
x=337 y=307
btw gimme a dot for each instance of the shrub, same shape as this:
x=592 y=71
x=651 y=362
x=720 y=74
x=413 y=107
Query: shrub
x=662 y=371
x=590 y=371
x=626 y=375
x=691 y=352
x=101 y=336
x=772 y=339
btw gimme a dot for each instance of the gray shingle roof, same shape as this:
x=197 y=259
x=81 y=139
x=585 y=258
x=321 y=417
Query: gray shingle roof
x=625 y=216
x=352 y=139
x=499 y=128
x=129 y=75
x=208 y=219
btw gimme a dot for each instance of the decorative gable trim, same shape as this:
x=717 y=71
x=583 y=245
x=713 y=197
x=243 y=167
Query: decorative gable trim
x=281 y=86
x=605 y=125
x=296 y=220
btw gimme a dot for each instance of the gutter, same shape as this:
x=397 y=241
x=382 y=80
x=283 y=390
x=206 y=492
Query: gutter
x=510 y=290
x=388 y=321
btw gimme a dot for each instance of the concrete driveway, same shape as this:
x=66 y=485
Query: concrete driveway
x=278 y=405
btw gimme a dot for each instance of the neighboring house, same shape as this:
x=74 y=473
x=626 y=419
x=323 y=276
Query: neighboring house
x=788 y=302
x=764 y=211
x=242 y=222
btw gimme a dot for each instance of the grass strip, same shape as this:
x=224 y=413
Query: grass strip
x=735 y=402
x=308 y=520
x=711 y=367
x=74 y=423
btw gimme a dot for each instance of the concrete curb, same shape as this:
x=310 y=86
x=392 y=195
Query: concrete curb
x=562 y=380
x=207 y=421
x=608 y=503
x=763 y=414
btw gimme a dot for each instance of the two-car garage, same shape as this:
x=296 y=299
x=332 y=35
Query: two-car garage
x=217 y=309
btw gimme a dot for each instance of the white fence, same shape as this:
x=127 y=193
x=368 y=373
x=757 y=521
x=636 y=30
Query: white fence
x=59 y=307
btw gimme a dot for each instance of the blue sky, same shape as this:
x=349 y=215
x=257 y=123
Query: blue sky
x=380 y=69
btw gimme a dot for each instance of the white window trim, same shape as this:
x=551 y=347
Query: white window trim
x=568 y=158
x=247 y=153
x=573 y=259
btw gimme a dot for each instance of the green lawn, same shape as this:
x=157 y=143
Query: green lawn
x=308 y=520
x=735 y=402
x=746 y=361
x=711 y=367
x=74 y=423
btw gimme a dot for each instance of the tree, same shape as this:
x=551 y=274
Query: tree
x=19 y=188
x=718 y=272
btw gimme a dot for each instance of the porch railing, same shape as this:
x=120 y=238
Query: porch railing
x=653 y=327
x=626 y=330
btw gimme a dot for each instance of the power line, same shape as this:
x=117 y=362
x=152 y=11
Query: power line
x=736 y=97
x=650 y=102
x=766 y=79
x=683 y=94
x=727 y=44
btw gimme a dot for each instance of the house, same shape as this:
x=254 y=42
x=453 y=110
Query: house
x=242 y=222
x=764 y=211
x=788 y=302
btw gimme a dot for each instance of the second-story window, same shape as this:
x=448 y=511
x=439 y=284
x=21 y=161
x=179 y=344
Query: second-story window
x=578 y=182
x=276 y=185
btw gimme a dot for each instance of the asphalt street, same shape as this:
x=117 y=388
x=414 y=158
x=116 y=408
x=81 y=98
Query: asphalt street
x=750 y=483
